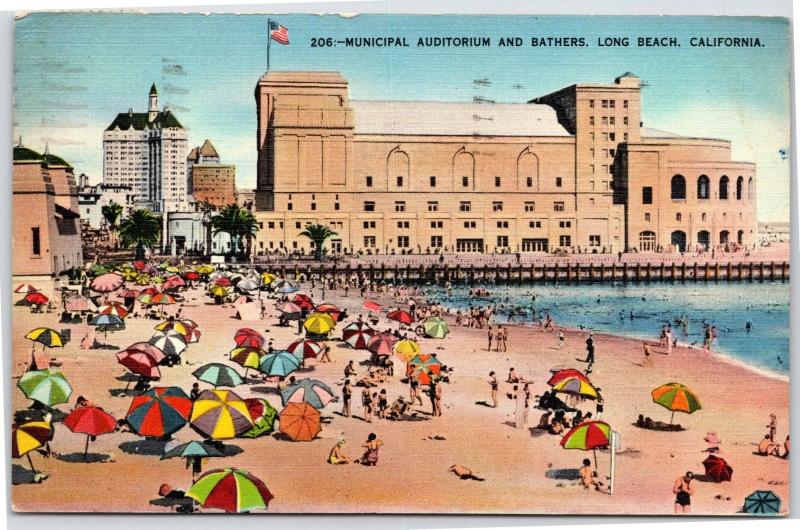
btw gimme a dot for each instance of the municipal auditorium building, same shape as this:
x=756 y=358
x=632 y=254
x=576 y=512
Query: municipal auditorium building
x=572 y=170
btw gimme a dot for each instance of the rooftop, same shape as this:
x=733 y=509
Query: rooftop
x=309 y=77
x=139 y=121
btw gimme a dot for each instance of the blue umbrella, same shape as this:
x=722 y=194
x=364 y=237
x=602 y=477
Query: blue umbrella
x=311 y=391
x=280 y=363
x=106 y=320
x=762 y=502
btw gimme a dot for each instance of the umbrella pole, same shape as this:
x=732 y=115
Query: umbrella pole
x=594 y=452
x=28 y=454
x=672 y=417
x=86 y=450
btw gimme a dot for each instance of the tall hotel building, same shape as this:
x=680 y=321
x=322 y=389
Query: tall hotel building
x=572 y=170
x=147 y=151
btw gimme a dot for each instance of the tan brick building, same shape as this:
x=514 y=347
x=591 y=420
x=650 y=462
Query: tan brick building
x=567 y=170
x=214 y=184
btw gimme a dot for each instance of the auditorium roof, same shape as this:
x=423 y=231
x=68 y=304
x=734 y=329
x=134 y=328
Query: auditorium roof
x=455 y=119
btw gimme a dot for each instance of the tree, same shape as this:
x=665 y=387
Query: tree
x=141 y=229
x=318 y=234
x=239 y=224
x=112 y=213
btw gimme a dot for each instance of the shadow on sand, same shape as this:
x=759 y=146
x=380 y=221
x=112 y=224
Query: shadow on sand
x=265 y=389
x=21 y=475
x=147 y=446
x=78 y=458
x=123 y=392
x=563 y=474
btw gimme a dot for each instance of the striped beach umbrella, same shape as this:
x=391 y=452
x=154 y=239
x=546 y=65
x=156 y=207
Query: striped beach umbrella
x=303 y=301
x=26 y=437
x=25 y=288
x=113 y=308
x=159 y=412
x=139 y=362
x=231 y=490
x=175 y=325
x=170 y=342
x=300 y=422
x=247 y=357
x=435 y=328
x=311 y=391
x=220 y=415
x=217 y=374
x=129 y=275
x=762 y=502
x=357 y=335
x=263 y=415
x=46 y=337
x=424 y=366
x=163 y=299
x=149 y=349
x=677 y=398
x=589 y=435
x=248 y=337
x=280 y=363
x=173 y=282
x=382 y=343
x=48 y=387
x=406 y=349
x=398 y=315
x=330 y=309
x=304 y=349
x=573 y=382
x=290 y=311
x=319 y=323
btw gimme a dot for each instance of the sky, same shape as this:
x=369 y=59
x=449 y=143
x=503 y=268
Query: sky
x=75 y=71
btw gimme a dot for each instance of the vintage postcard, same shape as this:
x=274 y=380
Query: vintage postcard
x=400 y=264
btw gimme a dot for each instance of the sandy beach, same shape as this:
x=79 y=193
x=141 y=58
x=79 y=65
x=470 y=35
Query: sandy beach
x=525 y=470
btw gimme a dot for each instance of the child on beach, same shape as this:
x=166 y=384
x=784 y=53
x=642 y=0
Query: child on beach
x=646 y=350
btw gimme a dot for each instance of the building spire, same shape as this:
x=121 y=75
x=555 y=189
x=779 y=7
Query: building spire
x=152 y=109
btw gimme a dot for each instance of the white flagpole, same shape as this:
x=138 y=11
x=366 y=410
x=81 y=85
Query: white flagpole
x=269 y=39
x=613 y=445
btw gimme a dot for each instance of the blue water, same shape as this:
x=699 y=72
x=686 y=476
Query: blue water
x=607 y=308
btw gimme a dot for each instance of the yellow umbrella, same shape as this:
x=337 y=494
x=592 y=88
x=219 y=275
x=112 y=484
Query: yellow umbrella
x=129 y=274
x=205 y=269
x=319 y=323
x=406 y=349
x=175 y=325
x=267 y=278
x=45 y=336
x=220 y=415
x=173 y=269
x=142 y=279
x=218 y=290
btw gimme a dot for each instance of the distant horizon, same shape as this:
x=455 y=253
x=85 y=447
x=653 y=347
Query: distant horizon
x=67 y=94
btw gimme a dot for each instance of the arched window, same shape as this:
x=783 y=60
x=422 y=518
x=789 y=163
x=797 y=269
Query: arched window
x=740 y=237
x=703 y=187
x=751 y=190
x=723 y=187
x=723 y=237
x=647 y=241
x=678 y=239
x=704 y=239
x=678 y=187
x=739 y=186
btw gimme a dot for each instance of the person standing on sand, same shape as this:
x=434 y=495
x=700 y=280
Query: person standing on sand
x=494 y=386
x=683 y=490
x=366 y=402
x=491 y=337
x=326 y=354
x=437 y=397
x=413 y=388
x=646 y=350
x=504 y=338
x=561 y=339
x=347 y=394
x=590 y=351
x=773 y=427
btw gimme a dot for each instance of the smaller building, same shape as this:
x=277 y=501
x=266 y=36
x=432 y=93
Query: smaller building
x=246 y=198
x=92 y=199
x=190 y=234
x=209 y=181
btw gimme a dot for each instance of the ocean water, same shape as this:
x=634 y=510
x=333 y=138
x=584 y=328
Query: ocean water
x=607 y=308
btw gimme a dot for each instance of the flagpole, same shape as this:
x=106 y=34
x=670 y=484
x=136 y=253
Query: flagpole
x=269 y=38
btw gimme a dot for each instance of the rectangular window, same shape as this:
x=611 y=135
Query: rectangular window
x=399 y=181
x=591 y=103
x=611 y=103
x=369 y=206
x=336 y=206
x=436 y=241
x=288 y=206
x=612 y=152
x=605 y=120
x=297 y=226
x=625 y=120
x=558 y=182
x=625 y=103
x=437 y=224
x=465 y=182
x=605 y=103
x=647 y=217
x=535 y=224
x=647 y=195
x=502 y=224
x=529 y=182
x=271 y=225
x=497 y=206
x=605 y=137
x=313 y=206
x=497 y=182
x=369 y=181
x=564 y=241
x=530 y=206
x=465 y=206
x=37 y=244
x=565 y=224
x=625 y=137
x=402 y=242
x=433 y=206
x=591 y=152
x=399 y=206
x=502 y=241
x=369 y=241
x=678 y=216
x=612 y=137
x=469 y=224
x=558 y=206
x=611 y=120
x=591 y=120
x=433 y=181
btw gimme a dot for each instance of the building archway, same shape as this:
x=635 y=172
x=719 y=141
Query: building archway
x=739 y=186
x=678 y=240
x=397 y=169
x=724 y=236
x=704 y=239
x=463 y=170
x=528 y=171
x=678 y=187
x=740 y=237
x=647 y=241
x=751 y=190
x=723 y=187
x=703 y=187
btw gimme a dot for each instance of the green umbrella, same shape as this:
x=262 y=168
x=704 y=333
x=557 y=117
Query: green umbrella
x=232 y=490
x=762 y=502
x=435 y=327
x=192 y=449
x=217 y=374
x=45 y=386
x=263 y=415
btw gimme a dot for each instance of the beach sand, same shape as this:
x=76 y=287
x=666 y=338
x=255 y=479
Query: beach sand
x=525 y=471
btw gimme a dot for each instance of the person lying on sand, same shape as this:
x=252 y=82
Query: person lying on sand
x=399 y=409
x=464 y=473
x=766 y=447
x=648 y=423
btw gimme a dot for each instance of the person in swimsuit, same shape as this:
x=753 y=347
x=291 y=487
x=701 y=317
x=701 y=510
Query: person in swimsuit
x=383 y=404
x=493 y=384
x=337 y=455
x=370 y=457
x=366 y=401
x=683 y=490
x=347 y=394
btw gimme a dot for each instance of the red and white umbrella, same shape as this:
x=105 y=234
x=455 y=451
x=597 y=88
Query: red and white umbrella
x=113 y=308
x=25 y=288
x=304 y=349
x=357 y=335
x=382 y=344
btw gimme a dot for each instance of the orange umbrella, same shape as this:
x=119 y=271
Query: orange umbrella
x=300 y=422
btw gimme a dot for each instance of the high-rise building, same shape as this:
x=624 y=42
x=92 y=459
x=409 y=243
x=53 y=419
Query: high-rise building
x=574 y=170
x=146 y=151
x=209 y=181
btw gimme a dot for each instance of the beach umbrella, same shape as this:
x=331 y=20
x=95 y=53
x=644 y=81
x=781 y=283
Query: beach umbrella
x=139 y=265
x=172 y=269
x=285 y=287
x=382 y=343
x=80 y=304
x=129 y=293
x=46 y=337
x=223 y=281
x=300 y=422
x=280 y=363
x=290 y=310
x=218 y=291
x=194 y=335
x=175 y=325
x=217 y=374
x=330 y=309
x=91 y=421
x=25 y=288
x=173 y=282
x=248 y=337
x=311 y=391
x=143 y=279
x=163 y=299
x=303 y=301
x=150 y=290
x=106 y=322
x=159 y=412
x=146 y=298
x=170 y=342
x=357 y=335
x=267 y=278
x=248 y=284
x=98 y=269
x=589 y=435
x=435 y=327
x=717 y=469
x=191 y=276
x=319 y=323
x=113 y=308
x=205 y=270
x=263 y=415
x=398 y=315
x=220 y=415
x=573 y=382
x=371 y=306
x=36 y=299
x=304 y=349
x=129 y=275
x=48 y=387
x=106 y=283
x=762 y=502
x=193 y=449
x=247 y=357
x=26 y=437
x=139 y=362
x=424 y=366
x=406 y=349
x=676 y=397
x=149 y=349
x=231 y=490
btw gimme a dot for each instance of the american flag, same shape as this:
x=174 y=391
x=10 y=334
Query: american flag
x=278 y=33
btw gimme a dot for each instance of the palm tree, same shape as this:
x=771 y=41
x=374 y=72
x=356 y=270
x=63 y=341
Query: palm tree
x=238 y=223
x=318 y=234
x=142 y=228
x=112 y=213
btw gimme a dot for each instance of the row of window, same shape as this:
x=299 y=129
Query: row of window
x=678 y=188
x=463 y=206
x=609 y=103
x=502 y=241
x=609 y=120
x=399 y=180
